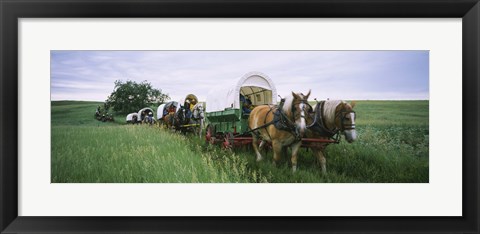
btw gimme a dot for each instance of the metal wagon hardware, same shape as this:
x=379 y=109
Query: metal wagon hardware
x=228 y=108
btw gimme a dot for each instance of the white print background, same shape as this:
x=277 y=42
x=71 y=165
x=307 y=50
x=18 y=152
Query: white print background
x=442 y=196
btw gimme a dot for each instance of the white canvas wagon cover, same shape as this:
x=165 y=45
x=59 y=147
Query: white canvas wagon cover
x=146 y=109
x=256 y=86
x=130 y=116
x=162 y=107
x=160 y=111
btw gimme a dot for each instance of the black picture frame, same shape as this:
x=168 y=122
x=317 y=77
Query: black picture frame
x=11 y=11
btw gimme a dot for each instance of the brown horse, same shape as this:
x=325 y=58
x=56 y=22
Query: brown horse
x=330 y=118
x=282 y=126
x=169 y=119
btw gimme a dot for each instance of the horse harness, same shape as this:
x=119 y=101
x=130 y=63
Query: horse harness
x=281 y=120
x=199 y=115
x=319 y=126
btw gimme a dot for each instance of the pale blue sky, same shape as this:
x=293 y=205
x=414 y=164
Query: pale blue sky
x=349 y=75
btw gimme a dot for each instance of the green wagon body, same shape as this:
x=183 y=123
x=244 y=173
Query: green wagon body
x=225 y=120
x=229 y=120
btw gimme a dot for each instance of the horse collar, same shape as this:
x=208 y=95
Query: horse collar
x=282 y=122
x=318 y=124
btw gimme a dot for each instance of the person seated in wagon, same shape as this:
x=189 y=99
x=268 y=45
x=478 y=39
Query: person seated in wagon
x=149 y=118
x=165 y=111
x=246 y=104
x=172 y=108
x=188 y=105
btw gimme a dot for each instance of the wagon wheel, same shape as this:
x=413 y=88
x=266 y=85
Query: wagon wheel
x=228 y=141
x=210 y=135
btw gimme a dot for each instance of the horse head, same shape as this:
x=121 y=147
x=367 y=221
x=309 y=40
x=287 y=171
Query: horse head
x=169 y=119
x=345 y=120
x=299 y=110
x=198 y=111
x=180 y=115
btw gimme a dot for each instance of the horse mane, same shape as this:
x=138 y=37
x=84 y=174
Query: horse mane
x=196 y=109
x=197 y=105
x=329 y=111
x=287 y=106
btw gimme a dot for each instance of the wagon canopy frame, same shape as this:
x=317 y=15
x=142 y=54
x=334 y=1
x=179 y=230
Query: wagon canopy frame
x=250 y=85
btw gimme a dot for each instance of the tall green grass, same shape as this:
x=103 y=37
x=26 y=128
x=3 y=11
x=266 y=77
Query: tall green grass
x=135 y=154
x=392 y=146
x=85 y=150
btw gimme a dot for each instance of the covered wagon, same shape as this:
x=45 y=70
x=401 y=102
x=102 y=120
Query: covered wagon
x=132 y=118
x=164 y=110
x=144 y=113
x=228 y=108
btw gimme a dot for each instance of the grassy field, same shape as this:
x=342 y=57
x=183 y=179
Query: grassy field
x=392 y=146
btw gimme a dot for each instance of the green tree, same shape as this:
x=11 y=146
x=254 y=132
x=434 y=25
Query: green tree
x=131 y=96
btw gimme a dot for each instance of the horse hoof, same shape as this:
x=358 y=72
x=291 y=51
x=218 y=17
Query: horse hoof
x=259 y=157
